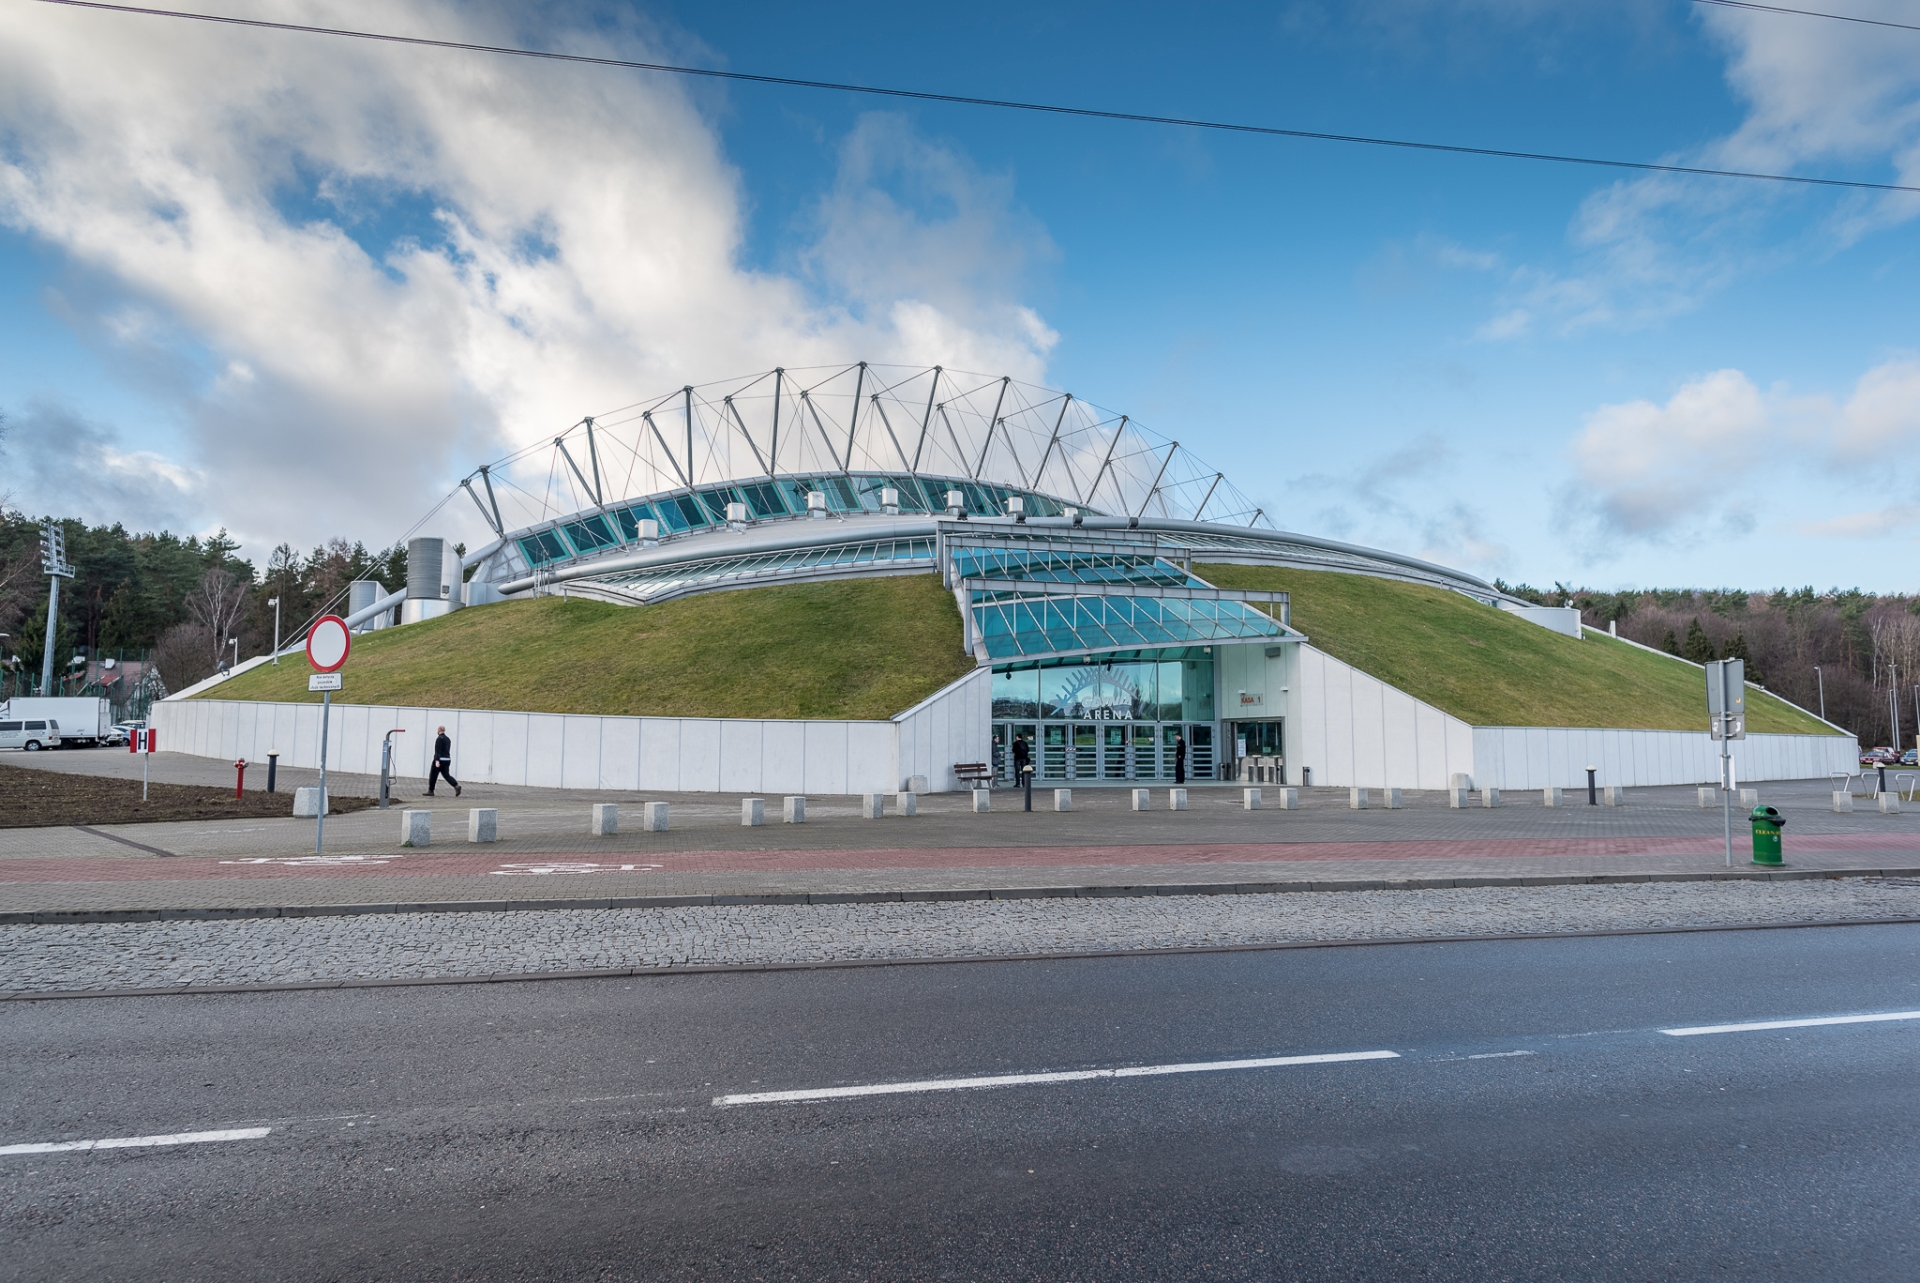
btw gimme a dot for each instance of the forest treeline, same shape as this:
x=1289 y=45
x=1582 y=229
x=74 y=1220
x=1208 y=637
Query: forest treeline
x=1859 y=649
x=182 y=599
x=179 y=599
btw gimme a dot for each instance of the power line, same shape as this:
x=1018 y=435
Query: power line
x=1809 y=13
x=965 y=100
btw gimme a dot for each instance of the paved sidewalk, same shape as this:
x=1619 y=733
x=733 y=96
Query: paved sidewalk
x=547 y=854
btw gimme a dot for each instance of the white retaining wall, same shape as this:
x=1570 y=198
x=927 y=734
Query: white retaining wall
x=583 y=751
x=1352 y=729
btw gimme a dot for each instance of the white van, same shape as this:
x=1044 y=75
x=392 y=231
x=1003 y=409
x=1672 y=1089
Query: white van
x=32 y=734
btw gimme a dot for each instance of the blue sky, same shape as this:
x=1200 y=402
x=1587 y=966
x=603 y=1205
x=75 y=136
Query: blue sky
x=359 y=264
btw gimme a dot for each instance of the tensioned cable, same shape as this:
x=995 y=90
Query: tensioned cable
x=1810 y=13
x=967 y=100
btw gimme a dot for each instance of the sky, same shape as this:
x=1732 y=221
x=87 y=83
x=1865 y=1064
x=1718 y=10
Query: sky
x=296 y=286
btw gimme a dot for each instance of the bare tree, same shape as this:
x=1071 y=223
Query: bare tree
x=216 y=604
x=184 y=656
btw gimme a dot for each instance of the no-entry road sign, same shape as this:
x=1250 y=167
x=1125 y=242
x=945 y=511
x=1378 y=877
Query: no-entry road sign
x=328 y=643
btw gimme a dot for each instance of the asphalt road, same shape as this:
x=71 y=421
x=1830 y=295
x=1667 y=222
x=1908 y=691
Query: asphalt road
x=569 y=1130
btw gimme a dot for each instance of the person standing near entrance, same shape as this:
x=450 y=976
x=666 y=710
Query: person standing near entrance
x=442 y=763
x=1022 y=755
x=1179 y=759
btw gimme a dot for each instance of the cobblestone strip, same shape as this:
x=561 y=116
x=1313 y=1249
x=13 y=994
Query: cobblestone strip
x=154 y=955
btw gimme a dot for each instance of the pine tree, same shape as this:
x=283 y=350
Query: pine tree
x=1698 y=648
x=1737 y=649
x=1671 y=645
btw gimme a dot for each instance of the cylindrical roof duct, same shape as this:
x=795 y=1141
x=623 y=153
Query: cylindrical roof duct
x=427 y=569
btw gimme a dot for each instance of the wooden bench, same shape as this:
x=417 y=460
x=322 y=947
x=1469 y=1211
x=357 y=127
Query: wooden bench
x=974 y=774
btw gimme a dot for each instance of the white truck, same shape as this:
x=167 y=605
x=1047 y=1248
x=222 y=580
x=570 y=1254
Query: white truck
x=83 y=719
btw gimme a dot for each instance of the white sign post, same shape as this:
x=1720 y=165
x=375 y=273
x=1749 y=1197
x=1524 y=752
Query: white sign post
x=1727 y=722
x=328 y=642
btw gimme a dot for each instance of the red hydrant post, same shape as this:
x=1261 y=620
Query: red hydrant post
x=240 y=780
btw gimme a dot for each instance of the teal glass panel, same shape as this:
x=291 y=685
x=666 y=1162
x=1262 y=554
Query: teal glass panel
x=631 y=517
x=590 y=533
x=543 y=547
x=763 y=499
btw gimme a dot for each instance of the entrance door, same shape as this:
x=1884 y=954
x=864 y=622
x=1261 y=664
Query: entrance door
x=1146 y=757
x=1086 y=752
x=1113 y=752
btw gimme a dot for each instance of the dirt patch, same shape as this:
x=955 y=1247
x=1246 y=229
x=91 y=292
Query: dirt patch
x=31 y=798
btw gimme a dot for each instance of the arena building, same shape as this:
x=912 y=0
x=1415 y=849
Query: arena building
x=1067 y=536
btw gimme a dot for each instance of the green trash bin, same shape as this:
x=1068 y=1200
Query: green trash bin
x=1767 y=824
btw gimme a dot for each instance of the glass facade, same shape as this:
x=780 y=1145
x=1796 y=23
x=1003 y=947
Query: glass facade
x=1110 y=717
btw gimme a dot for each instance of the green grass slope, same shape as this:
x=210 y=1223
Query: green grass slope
x=864 y=648
x=1490 y=668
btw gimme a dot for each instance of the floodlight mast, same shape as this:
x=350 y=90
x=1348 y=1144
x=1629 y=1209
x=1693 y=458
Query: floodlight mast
x=53 y=560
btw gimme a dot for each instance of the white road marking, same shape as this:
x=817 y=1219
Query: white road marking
x=536 y=869
x=138 y=1142
x=1033 y=1080
x=1498 y=1055
x=1752 y=1025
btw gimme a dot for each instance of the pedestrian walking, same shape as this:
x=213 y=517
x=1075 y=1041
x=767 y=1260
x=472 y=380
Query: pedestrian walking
x=442 y=763
x=1179 y=758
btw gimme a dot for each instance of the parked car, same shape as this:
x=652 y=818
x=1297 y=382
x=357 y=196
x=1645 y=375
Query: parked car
x=31 y=734
x=1911 y=757
x=1880 y=757
x=123 y=731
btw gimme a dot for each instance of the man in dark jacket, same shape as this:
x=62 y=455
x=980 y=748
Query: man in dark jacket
x=1021 y=756
x=442 y=763
x=1179 y=759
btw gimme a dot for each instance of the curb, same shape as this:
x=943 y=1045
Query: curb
x=751 y=968
x=77 y=916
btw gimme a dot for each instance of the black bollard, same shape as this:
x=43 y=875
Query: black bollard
x=1593 y=794
x=273 y=767
x=1029 y=787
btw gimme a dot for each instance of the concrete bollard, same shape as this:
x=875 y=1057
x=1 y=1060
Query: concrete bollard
x=1889 y=804
x=1489 y=798
x=654 y=817
x=1287 y=799
x=1843 y=803
x=1176 y=799
x=306 y=804
x=416 y=828
x=753 y=812
x=1143 y=799
x=916 y=784
x=1063 y=799
x=1613 y=795
x=793 y=810
x=1249 y=799
x=483 y=824
x=907 y=804
x=606 y=819
x=1709 y=798
x=873 y=806
x=1390 y=798
x=982 y=801
x=1460 y=780
x=1459 y=799
x=1749 y=798
x=1356 y=799
x=1551 y=797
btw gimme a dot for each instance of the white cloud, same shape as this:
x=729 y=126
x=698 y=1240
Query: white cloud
x=1392 y=501
x=57 y=463
x=1821 y=97
x=1647 y=470
x=369 y=267
x=1863 y=525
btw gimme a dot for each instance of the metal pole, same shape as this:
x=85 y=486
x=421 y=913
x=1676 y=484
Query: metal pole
x=53 y=628
x=320 y=828
x=146 y=765
x=1726 y=763
x=1821 y=682
x=275 y=603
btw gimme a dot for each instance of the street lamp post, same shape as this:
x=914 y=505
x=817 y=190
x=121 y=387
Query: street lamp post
x=1822 y=683
x=235 y=643
x=275 y=603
